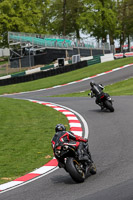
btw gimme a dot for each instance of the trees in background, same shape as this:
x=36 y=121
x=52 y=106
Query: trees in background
x=19 y=16
x=125 y=20
x=99 y=18
x=63 y=17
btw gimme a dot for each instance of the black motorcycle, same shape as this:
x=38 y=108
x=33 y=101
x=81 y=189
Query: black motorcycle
x=105 y=101
x=78 y=170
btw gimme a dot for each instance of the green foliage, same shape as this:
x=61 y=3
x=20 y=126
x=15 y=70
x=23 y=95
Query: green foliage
x=125 y=20
x=18 y=16
x=63 y=17
x=99 y=18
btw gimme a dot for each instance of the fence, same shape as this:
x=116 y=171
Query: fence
x=52 y=41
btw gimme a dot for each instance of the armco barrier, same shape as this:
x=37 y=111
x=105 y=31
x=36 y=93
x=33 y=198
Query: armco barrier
x=95 y=60
x=118 y=55
x=18 y=74
x=47 y=67
x=49 y=70
x=107 y=57
x=87 y=58
x=128 y=54
x=43 y=74
x=31 y=71
x=123 y=55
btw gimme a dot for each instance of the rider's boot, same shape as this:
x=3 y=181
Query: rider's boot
x=81 y=155
x=93 y=169
x=102 y=107
x=60 y=165
x=92 y=165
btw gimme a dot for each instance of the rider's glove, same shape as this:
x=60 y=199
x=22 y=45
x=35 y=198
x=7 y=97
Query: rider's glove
x=81 y=139
x=91 y=94
x=85 y=140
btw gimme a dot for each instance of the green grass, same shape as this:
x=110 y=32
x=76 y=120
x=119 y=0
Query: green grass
x=117 y=89
x=66 y=77
x=4 y=61
x=121 y=88
x=26 y=130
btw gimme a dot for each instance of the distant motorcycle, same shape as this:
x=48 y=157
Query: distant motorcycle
x=105 y=101
x=78 y=170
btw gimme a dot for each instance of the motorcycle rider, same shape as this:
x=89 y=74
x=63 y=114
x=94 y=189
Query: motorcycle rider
x=67 y=137
x=96 y=90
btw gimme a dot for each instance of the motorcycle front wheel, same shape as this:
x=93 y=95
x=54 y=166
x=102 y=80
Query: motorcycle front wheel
x=75 y=171
x=109 y=106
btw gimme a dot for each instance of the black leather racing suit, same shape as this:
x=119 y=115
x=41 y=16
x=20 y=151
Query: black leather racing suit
x=67 y=137
x=96 y=90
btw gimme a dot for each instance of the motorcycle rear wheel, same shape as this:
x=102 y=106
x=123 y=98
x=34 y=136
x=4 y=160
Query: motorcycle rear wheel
x=109 y=106
x=75 y=171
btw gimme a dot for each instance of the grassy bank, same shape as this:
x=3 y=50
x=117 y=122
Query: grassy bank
x=66 y=77
x=121 y=88
x=26 y=130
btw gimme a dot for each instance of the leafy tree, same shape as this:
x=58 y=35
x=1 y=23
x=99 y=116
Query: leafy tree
x=18 y=16
x=125 y=21
x=129 y=21
x=64 y=17
x=99 y=19
x=45 y=20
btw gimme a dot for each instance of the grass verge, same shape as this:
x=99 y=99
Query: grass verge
x=25 y=136
x=66 y=77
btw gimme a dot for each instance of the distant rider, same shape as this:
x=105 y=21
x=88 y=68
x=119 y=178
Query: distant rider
x=96 y=91
x=67 y=137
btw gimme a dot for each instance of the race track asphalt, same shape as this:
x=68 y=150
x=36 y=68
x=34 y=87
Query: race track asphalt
x=110 y=141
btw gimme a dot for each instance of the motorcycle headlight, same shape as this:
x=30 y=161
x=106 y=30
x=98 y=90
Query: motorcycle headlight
x=57 y=153
x=65 y=147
